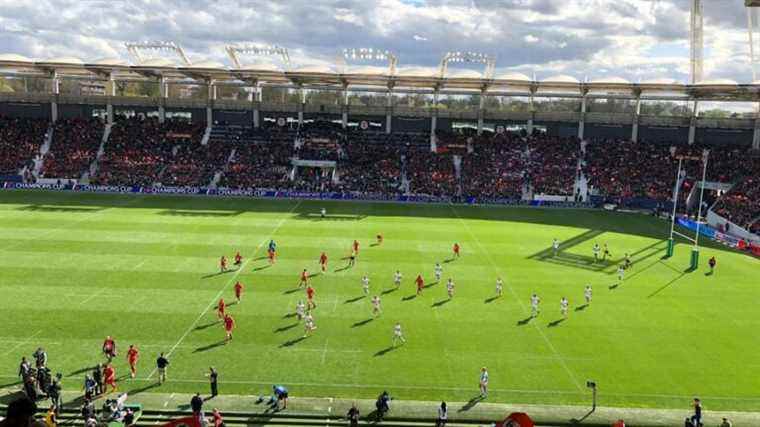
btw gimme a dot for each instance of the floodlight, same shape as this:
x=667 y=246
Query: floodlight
x=487 y=60
x=234 y=51
x=369 y=54
x=134 y=49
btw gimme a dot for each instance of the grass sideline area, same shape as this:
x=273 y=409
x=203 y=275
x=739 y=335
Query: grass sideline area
x=77 y=267
x=243 y=409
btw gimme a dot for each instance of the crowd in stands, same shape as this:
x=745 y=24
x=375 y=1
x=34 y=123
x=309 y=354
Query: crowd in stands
x=20 y=142
x=741 y=205
x=553 y=164
x=630 y=169
x=73 y=148
x=371 y=167
x=143 y=151
x=139 y=151
x=495 y=169
x=430 y=173
x=264 y=165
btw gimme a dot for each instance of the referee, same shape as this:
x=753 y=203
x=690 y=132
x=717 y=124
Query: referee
x=213 y=377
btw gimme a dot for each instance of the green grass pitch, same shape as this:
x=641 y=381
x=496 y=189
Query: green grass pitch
x=77 y=267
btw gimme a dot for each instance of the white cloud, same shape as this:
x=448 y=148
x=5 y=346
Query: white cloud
x=630 y=38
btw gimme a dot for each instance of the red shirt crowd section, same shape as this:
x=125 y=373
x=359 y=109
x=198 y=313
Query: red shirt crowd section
x=146 y=152
x=73 y=148
x=20 y=142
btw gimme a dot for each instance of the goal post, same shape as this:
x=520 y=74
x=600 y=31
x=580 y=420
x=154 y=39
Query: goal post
x=694 y=258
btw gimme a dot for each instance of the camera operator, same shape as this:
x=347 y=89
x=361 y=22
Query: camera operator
x=383 y=405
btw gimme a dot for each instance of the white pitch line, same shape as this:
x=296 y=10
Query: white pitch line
x=20 y=343
x=93 y=295
x=229 y=282
x=519 y=301
x=324 y=351
x=444 y=388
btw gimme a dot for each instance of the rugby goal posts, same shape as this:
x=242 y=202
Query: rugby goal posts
x=680 y=176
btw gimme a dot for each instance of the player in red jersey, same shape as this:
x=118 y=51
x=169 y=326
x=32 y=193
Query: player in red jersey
x=420 y=284
x=304 y=278
x=238 y=258
x=356 y=247
x=271 y=255
x=109 y=348
x=310 y=298
x=238 y=291
x=109 y=376
x=379 y=238
x=132 y=356
x=229 y=325
x=220 y=308
x=323 y=261
x=456 y=250
x=223 y=264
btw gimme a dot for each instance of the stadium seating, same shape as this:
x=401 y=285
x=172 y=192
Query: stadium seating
x=73 y=149
x=630 y=169
x=495 y=169
x=553 y=164
x=142 y=152
x=741 y=205
x=20 y=142
x=493 y=166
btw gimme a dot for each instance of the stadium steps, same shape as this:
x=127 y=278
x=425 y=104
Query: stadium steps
x=206 y=135
x=40 y=159
x=152 y=418
x=101 y=150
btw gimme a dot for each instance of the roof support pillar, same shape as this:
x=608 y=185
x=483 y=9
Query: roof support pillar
x=163 y=90
x=256 y=99
x=111 y=92
x=301 y=105
x=756 y=132
x=693 y=122
x=481 y=111
x=54 y=102
x=434 y=121
x=635 y=121
x=582 y=118
x=532 y=110
x=344 y=108
x=210 y=102
x=388 y=111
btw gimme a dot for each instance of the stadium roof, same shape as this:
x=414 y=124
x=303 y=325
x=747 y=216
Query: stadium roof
x=370 y=76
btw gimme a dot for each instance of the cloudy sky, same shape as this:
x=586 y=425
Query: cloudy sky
x=635 y=39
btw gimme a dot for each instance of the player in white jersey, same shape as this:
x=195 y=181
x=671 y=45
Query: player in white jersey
x=534 y=302
x=397 y=278
x=596 y=252
x=587 y=294
x=376 y=310
x=309 y=325
x=483 y=382
x=555 y=246
x=397 y=334
x=323 y=212
x=300 y=307
x=438 y=272
x=365 y=285
x=621 y=274
x=499 y=286
x=450 y=288
x=563 y=307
